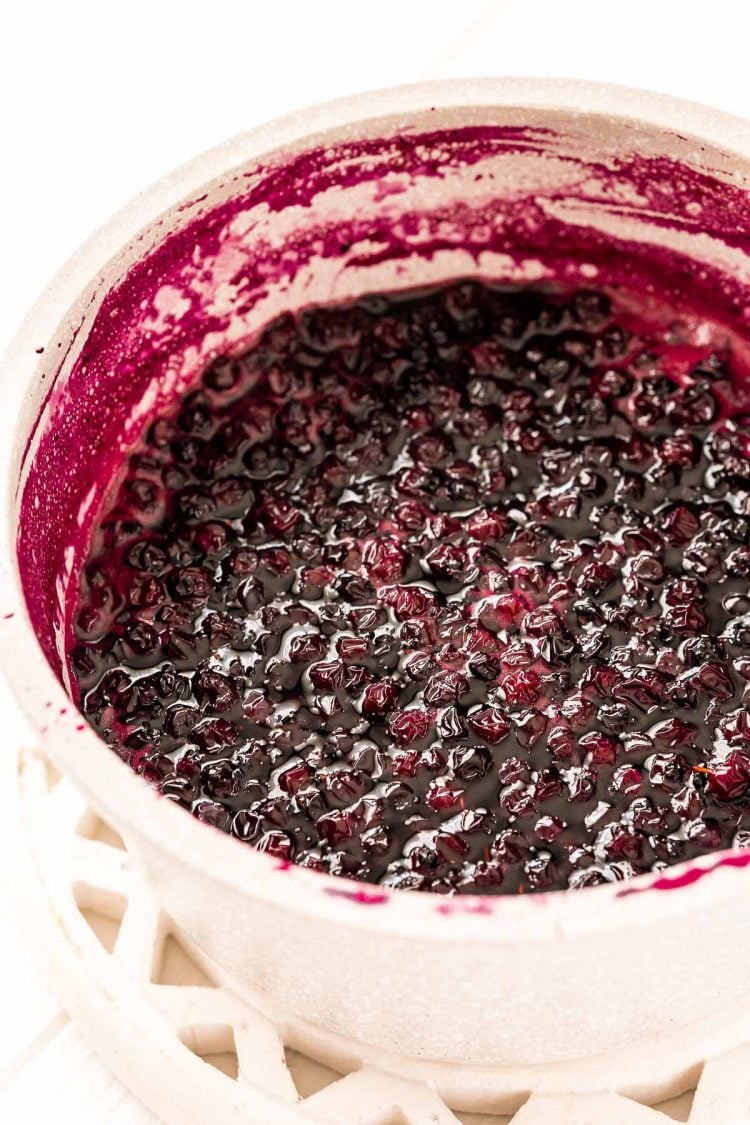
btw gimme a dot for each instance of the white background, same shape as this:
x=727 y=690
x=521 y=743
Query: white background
x=99 y=99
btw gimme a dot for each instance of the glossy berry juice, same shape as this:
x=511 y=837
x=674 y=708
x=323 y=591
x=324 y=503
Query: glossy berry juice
x=443 y=590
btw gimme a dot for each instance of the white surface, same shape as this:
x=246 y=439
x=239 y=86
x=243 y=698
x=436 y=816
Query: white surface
x=98 y=100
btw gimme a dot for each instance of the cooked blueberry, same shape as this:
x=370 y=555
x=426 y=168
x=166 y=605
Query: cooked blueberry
x=447 y=592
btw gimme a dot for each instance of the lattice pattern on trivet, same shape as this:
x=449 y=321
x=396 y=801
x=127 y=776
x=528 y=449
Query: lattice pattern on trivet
x=170 y=1026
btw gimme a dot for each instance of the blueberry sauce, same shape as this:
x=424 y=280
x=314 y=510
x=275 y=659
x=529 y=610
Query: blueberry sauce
x=445 y=591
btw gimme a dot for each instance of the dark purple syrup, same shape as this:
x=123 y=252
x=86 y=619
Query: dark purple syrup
x=447 y=591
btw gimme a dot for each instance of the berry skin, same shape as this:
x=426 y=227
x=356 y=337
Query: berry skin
x=489 y=724
x=409 y=726
x=379 y=698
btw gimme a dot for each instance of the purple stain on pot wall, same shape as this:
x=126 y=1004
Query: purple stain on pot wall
x=686 y=875
x=364 y=896
x=483 y=201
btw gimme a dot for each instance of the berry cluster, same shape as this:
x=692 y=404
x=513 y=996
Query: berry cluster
x=448 y=592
